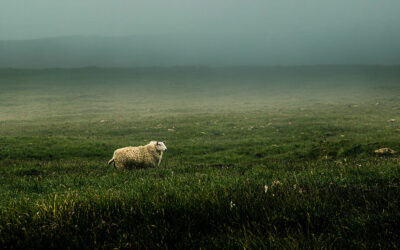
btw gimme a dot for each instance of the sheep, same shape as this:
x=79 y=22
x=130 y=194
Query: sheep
x=149 y=155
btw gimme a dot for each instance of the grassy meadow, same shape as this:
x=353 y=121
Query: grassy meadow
x=258 y=157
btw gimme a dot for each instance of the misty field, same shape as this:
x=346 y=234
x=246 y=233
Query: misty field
x=263 y=157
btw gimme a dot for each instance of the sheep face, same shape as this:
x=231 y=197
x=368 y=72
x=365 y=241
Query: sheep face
x=160 y=146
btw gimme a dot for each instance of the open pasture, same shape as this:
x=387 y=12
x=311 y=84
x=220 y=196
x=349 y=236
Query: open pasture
x=262 y=157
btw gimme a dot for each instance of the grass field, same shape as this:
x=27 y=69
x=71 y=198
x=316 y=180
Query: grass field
x=279 y=157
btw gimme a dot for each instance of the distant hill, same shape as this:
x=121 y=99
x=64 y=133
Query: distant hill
x=210 y=50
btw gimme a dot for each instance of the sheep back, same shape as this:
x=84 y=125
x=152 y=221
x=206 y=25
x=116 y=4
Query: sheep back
x=136 y=157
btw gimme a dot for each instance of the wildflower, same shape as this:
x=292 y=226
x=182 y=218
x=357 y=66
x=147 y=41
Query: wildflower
x=232 y=205
x=266 y=188
x=275 y=183
x=294 y=186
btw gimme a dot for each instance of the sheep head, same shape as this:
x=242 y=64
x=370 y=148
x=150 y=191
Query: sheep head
x=160 y=146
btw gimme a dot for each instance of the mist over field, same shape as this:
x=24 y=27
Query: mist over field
x=281 y=119
x=199 y=49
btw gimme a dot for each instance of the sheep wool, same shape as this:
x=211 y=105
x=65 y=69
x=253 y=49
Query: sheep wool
x=146 y=156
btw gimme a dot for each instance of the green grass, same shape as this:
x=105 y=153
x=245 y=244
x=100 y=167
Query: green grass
x=251 y=166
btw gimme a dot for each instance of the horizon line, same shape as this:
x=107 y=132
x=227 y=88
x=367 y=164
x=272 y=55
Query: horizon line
x=202 y=66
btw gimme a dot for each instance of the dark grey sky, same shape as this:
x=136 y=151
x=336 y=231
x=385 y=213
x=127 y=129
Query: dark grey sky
x=28 y=19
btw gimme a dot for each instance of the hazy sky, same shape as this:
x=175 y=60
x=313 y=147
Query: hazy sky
x=198 y=32
x=28 y=19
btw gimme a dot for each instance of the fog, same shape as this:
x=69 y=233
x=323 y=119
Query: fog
x=121 y=33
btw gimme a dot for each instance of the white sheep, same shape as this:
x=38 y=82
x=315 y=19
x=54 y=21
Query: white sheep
x=141 y=157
